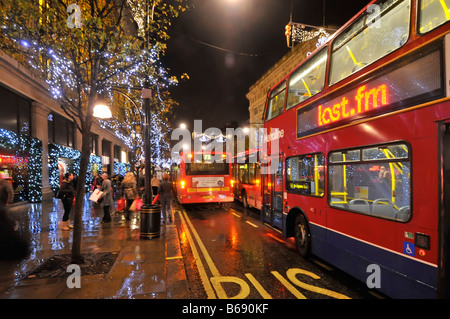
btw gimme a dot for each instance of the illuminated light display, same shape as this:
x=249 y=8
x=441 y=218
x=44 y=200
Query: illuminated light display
x=364 y=101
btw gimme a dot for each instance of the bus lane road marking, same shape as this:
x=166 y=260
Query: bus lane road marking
x=213 y=285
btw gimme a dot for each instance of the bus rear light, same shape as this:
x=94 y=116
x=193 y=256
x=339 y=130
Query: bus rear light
x=183 y=184
x=231 y=182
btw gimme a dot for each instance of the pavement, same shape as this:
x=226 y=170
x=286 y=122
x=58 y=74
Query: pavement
x=140 y=268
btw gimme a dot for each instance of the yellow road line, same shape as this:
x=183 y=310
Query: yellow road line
x=208 y=259
x=258 y=286
x=286 y=283
x=175 y=257
x=250 y=223
x=201 y=270
x=237 y=215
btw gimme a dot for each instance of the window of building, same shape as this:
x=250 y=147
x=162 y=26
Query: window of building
x=15 y=112
x=106 y=148
x=61 y=131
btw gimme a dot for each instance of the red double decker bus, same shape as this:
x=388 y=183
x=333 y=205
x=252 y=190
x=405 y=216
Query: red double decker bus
x=247 y=178
x=363 y=173
x=204 y=178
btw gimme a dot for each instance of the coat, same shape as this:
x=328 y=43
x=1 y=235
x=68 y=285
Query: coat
x=165 y=190
x=6 y=193
x=107 y=193
x=129 y=190
x=66 y=189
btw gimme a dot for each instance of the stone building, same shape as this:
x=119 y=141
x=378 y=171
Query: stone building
x=39 y=142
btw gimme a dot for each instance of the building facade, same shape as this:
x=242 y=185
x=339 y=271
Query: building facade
x=258 y=92
x=39 y=142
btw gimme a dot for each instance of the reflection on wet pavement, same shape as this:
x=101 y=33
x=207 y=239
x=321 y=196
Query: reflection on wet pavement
x=138 y=271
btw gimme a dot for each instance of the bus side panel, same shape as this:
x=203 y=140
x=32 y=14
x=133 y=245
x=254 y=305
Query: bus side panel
x=358 y=255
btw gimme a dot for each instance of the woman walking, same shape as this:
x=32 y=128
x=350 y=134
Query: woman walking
x=129 y=192
x=66 y=193
x=108 y=200
x=165 y=198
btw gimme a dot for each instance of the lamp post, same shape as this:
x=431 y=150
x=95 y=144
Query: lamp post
x=150 y=214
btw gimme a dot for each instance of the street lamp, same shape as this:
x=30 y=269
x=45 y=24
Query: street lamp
x=150 y=214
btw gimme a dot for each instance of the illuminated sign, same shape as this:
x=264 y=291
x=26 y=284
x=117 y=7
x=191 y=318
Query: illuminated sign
x=411 y=81
x=364 y=101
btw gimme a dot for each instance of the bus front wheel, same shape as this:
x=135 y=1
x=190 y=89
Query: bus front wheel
x=302 y=236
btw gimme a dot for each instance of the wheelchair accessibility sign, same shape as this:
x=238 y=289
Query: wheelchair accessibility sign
x=409 y=248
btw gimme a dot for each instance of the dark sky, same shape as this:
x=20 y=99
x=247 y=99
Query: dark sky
x=250 y=37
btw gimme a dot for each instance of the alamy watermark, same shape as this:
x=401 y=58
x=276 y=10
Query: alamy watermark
x=74 y=279
x=374 y=279
x=74 y=19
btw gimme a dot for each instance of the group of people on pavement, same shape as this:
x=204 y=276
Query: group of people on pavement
x=12 y=245
x=128 y=190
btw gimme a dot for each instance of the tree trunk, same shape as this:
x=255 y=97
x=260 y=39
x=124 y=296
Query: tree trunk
x=77 y=257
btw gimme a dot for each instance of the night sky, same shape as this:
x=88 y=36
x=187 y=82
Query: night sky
x=250 y=37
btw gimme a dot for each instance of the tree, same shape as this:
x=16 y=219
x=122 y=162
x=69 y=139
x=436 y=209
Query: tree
x=82 y=50
x=128 y=120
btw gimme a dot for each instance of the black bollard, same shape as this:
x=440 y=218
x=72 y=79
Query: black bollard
x=150 y=221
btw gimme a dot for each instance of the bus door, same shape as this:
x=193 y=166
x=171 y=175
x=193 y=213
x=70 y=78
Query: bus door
x=444 y=215
x=272 y=205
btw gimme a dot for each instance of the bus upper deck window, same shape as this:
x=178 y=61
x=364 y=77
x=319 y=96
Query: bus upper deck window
x=382 y=29
x=432 y=14
x=308 y=80
x=276 y=101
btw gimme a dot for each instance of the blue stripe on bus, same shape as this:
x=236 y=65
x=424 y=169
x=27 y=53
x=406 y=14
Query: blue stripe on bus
x=401 y=277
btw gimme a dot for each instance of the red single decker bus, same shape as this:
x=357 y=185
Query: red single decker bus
x=247 y=178
x=204 y=178
x=362 y=175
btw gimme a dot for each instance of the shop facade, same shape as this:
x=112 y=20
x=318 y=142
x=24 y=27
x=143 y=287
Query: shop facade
x=38 y=142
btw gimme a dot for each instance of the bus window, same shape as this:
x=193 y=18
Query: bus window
x=276 y=101
x=308 y=80
x=207 y=166
x=305 y=174
x=381 y=30
x=433 y=13
x=379 y=184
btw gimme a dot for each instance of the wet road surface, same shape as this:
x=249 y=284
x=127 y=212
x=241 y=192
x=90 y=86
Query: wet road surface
x=229 y=253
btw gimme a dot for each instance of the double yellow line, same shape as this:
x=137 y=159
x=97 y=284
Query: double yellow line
x=201 y=269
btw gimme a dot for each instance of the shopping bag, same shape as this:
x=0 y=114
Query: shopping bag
x=138 y=203
x=95 y=195
x=120 y=204
x=155 y=199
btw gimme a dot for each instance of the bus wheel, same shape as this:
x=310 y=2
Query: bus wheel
x=302 y=236
x=244 y=199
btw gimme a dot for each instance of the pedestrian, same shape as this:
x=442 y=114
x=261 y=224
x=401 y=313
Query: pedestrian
x=107 y=197
x=155 y=185
x=129 y=192
x=165 y=198
x=6 y=191
x=66 y=193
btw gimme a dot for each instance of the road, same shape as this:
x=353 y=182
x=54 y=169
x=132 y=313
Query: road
x=229 y=253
